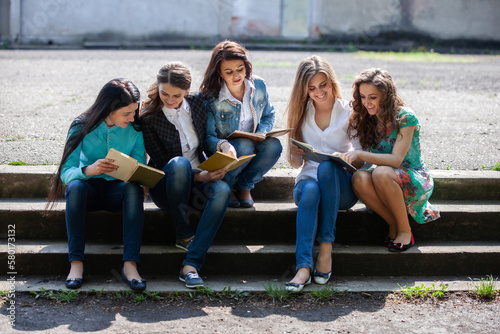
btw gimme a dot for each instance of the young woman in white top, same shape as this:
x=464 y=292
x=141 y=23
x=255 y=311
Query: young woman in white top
x=319 y=117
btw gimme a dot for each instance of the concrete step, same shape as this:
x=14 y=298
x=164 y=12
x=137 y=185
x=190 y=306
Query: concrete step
x=267 y=221
x=33 y=182
x=112 y=283
x=48 y=257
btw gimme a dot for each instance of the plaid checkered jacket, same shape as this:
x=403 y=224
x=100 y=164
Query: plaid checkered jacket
x=161 y=138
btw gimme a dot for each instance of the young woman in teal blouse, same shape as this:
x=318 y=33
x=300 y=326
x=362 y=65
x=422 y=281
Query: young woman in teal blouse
x=108 y=123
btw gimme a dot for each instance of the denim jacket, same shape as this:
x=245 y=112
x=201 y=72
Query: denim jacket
x=224 y=116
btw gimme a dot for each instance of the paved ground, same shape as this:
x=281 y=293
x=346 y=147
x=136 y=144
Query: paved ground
x=456 y=97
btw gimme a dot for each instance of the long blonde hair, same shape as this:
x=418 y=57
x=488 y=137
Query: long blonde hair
x=297 y=104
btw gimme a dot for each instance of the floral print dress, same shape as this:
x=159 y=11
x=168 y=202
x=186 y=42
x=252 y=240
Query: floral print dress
x=414 y=178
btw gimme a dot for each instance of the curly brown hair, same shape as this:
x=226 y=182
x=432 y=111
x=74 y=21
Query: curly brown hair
x=370 y=130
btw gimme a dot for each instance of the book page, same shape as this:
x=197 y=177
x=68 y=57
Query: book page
x=126 y=165
x=278 y=132
x=241 y=134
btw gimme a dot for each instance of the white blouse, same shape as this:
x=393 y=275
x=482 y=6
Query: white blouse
x=183 y=122
x=333 y=139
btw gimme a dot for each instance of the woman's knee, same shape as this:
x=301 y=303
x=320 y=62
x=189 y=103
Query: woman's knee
x=383 y=174
x=243 y=146
x=308 y=191
x=77 y=190
x=272 y=146
x=360 y=180
x=328 y=170
x=179 y=166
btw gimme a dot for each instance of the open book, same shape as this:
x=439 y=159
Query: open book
x=259 y=137
x=318 y=156
x=130 y=170
x=221 y=160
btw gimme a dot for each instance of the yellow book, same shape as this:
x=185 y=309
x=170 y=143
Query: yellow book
x=258 y=137
x=221 y=160
x=130 y=170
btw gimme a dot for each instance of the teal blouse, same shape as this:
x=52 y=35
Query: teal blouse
x=96 y=144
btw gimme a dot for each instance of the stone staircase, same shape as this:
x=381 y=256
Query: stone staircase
x=255 y=245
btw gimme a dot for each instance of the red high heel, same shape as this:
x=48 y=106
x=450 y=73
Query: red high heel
x=400 y=247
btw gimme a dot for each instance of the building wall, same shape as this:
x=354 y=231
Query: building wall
x=72 y=22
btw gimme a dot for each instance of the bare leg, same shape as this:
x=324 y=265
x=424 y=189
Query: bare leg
x=324 y=262
x=386 y=184
x=363 y=187
x=130 y=270
x=245 y=194
x=76 y=270
x=188 y=269
x=301 y=276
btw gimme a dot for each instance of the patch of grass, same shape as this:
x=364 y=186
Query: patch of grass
x=277 y=292
x=422 y=291
x=324 y=293
x=62 y=296
x=496 y=167
x=414 y=56
x=17 y=163
x=485 y=287
x=234 y=294
x=73 y=98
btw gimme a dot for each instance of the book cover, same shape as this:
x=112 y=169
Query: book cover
x=318 y=156
x=259 y=137
x=130 y=170
x=221 y=160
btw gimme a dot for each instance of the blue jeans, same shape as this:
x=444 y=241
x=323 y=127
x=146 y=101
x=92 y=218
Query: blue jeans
x=98 y=194
x=331 y=193
x=177 y=193
x=250 y=173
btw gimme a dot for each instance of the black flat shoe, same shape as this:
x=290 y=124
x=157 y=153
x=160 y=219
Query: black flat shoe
x=400 y=247
x=137 y=285
x=388 y=241
x=74 y=283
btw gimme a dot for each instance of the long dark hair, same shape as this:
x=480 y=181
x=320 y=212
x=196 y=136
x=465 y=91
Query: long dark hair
x=116 y=94
x=370 y=130
x=227 y=50
x=174 y=73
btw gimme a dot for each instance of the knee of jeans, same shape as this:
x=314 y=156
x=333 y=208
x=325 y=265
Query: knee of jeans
x=328 y=170
x=133 y=192
x=179 y=166
x=244 y=146
x=309 y=193
x=272 y=146
x=221 y=188
x=76 y=190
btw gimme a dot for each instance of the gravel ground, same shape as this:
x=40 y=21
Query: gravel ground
x=456 y=98
x=458 y=312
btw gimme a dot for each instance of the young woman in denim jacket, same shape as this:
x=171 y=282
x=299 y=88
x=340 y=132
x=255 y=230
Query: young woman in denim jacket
x=174 y=126
x=238 y=100
x=108 y=123
x=319 y=117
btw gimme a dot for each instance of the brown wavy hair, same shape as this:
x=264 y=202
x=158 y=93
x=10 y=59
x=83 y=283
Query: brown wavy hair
x=297 y=104
x=370 y=130
x=174 y=73
x=226 y=50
